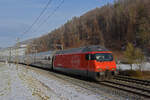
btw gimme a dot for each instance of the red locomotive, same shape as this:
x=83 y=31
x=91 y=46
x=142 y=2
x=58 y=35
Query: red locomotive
x=91 y=61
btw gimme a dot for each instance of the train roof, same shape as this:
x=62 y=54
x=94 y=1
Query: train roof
x=83 y=49
x=41 y=53
x=44 y=53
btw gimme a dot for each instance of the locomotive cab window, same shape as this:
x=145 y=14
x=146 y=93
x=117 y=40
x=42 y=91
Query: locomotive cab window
x=103 y=57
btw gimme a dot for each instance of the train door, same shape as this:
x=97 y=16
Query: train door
x=88 y=57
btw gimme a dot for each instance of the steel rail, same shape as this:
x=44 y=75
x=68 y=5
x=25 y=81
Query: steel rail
x=133 y=80
x=128 y=88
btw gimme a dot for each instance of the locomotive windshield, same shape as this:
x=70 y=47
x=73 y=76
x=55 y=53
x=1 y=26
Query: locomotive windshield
x=103 y=57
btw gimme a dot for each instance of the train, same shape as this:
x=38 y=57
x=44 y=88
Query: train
x=95 y=62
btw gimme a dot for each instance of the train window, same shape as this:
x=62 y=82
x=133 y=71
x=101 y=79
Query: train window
x=45 y=58
x=104 y=57
x=92 y=56
x=49 y=58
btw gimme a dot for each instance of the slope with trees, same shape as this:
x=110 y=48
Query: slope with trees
x=113 y=26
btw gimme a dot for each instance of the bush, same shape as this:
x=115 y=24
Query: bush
x=132 y=73
x=134 y=56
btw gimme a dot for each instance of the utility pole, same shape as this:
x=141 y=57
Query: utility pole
x=17 y=53
x=34 y=52
x=9 y=61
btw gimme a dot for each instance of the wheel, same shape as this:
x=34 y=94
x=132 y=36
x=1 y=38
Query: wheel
x=99 y=76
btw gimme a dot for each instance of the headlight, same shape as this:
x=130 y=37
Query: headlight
x=100 y=69
x=113 y=69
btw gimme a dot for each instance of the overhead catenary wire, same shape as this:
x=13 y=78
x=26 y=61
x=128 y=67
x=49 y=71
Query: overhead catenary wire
x=49 y=16
x=38 y=18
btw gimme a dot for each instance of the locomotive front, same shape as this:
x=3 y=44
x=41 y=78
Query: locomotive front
x=101 y=62
x=105 y=65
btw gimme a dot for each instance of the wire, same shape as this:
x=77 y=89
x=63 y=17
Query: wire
x=36 y=20
x=50 y=15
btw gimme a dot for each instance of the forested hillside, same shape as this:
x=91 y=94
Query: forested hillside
x=113 y=26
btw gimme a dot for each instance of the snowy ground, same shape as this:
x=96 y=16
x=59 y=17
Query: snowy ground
x=145 y=67
x=21 y=83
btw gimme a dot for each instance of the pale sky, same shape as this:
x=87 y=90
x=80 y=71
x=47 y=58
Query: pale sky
x=17 y=15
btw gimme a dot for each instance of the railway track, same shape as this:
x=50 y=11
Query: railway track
x=117 y=88
x=130 y=88
x=83 y=83
x=130 y=85
x=133 y=80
